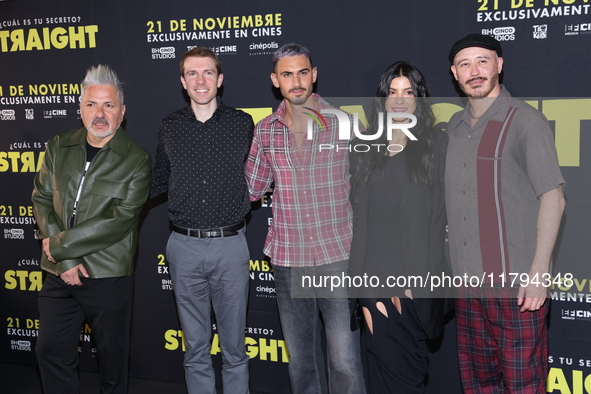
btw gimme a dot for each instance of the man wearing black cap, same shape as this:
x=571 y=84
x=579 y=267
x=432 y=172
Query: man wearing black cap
x=504 y=204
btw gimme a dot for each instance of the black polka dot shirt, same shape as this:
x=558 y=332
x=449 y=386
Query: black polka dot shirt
x=201 y=166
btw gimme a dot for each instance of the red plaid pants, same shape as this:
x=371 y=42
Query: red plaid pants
x=501 y=350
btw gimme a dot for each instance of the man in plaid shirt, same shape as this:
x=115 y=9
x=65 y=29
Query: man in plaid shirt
x=311 y=229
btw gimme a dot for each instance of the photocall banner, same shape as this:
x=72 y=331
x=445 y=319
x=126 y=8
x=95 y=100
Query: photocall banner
x=46 y=47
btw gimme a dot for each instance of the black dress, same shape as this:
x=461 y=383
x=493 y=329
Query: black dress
x=394 y=352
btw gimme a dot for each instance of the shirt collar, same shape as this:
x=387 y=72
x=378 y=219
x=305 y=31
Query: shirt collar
x=279 y=115
x=217 y=114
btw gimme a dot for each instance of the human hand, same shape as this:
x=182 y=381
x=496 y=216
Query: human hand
x=45 y=245
x=533 y=296
x=72 y=276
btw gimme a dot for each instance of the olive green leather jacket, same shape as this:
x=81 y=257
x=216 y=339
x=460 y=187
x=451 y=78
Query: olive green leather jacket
x=116 y=186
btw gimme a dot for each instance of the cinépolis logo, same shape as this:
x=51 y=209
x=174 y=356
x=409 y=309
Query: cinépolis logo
x=345 y=125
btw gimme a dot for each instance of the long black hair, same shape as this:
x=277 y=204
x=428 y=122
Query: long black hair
x=419 y=153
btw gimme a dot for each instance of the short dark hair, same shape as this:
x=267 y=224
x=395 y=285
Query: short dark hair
x=201 y=52
x=289 y=50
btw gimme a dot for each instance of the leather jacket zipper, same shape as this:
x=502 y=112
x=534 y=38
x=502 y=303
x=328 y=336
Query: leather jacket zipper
x=73 y=217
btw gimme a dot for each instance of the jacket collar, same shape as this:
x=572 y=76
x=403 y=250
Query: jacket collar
x=118 y=143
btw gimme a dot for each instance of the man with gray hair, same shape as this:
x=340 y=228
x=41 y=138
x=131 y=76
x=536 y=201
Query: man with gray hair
x=87 y=200
x=311 y=229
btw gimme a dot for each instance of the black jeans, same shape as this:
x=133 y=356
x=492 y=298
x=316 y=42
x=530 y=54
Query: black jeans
x=106 y=303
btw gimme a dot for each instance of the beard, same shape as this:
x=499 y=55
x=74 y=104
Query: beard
x=480 y=92
x=102 y=134
x=299 y=100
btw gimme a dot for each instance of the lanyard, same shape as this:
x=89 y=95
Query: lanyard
x=73 y=218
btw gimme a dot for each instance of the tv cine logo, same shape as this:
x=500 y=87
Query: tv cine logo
x=345 y=124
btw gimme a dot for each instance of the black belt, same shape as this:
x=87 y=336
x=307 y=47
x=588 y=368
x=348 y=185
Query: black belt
x=227 y=231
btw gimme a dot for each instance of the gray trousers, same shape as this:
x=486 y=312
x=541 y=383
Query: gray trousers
x=206 y=272
x=301 y=323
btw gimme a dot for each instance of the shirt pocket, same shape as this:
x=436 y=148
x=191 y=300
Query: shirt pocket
x=279 y=156
x=59 y=184
x=109 y=188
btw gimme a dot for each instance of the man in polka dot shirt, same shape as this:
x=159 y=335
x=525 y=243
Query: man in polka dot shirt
x=200 y=163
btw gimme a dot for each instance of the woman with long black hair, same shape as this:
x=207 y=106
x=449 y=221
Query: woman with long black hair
x=399 y=232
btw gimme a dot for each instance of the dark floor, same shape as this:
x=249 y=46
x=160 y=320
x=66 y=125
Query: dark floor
x=23 y=379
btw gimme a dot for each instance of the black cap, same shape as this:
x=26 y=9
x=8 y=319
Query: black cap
x=475 y=40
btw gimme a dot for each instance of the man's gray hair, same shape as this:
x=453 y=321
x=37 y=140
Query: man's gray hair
x=102 y=75
x=289 y=50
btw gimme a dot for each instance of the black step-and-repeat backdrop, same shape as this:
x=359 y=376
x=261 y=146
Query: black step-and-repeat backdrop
x=46 y=46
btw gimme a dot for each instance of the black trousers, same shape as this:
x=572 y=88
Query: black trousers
x=106 y=303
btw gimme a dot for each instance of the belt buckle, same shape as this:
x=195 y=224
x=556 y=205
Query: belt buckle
x=209 y=233
x=205 y=233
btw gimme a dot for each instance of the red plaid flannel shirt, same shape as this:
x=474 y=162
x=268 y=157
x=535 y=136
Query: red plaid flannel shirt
x=311 y=211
